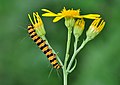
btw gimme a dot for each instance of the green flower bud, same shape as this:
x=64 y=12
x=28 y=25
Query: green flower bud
x=69 y=22
x=78 y=27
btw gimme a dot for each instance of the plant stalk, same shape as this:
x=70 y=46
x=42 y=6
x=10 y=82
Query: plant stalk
x=68 y=47
x=76 y=52
x=65 y=75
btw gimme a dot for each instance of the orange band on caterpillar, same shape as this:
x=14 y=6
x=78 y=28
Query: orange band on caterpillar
x=43 y=46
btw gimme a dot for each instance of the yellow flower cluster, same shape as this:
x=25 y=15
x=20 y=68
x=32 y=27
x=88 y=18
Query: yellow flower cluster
x=70 y=16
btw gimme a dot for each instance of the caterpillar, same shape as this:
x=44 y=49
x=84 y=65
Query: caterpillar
x=43 y=46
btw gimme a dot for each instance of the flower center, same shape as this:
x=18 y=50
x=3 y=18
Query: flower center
x=70 y=13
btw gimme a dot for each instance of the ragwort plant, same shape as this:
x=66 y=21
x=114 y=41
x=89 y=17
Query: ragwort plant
x=74 y=23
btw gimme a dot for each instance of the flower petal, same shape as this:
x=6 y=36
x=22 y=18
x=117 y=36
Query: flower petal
x=45 y=10
x=49 y=14
x=91 y=16
x=57 y=18
x=102 y=24
x=78 y=16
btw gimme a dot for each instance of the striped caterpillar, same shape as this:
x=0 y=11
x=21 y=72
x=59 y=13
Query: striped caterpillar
x=43 y=46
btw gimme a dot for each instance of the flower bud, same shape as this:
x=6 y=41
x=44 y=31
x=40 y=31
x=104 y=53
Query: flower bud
x=37 y=24
x=69 y=22
x=95 y=28
x=78 y=27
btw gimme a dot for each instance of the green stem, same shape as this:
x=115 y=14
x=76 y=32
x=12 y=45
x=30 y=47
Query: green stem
x=65 y=75
x=75 y=48
x=76 y=52
x=72 y=69
x=68 y=46
x=82 y=45
x=75 y=44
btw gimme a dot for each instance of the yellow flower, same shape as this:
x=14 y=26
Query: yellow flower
x=37 y=20
x=37 y=24
x=95 y=28
x=68 y=14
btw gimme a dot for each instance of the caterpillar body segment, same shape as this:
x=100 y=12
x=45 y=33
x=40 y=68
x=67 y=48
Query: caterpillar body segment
x=44 y=47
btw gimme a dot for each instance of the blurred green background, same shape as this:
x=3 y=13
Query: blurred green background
x=22 y=63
